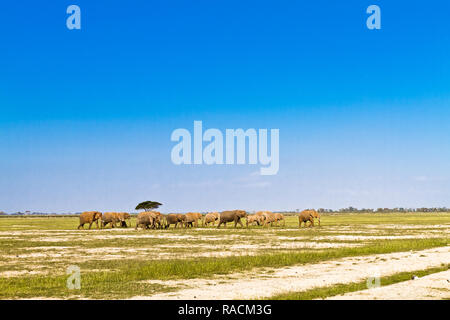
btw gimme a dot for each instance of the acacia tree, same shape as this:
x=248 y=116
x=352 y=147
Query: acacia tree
x=148 y=205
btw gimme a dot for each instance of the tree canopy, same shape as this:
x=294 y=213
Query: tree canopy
x=146 y=205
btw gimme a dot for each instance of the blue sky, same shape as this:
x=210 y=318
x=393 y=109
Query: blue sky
x=86 y=115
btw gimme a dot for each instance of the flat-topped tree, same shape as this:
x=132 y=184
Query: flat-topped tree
x=148 y=205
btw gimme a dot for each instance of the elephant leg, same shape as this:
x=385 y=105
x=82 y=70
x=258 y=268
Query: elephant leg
x=81 y=226
x=90 y=225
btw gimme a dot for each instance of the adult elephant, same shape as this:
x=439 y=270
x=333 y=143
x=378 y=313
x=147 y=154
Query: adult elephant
x=316 y=215
x=89 y=217
x=304 y=217
x=191 y=219
x=147 y=219
x=230 y=216
x=123 y=217
x=157 y=219
x=173 y=218
x=110 y=218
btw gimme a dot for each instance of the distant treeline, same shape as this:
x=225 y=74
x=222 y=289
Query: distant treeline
x=321 y=210
x=380 y=210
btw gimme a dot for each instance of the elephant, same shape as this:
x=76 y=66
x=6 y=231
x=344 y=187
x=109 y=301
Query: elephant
x=89 y=217
x=110 y=218
x=201 y=218
x=147 y=219
x=181 y=219
x=260 y=213
x=123 y=217
x=192 y=219
x=280 y=217
x=262 y=216
x=305 y=216
x=251 y=219
x=230 y=216
x=316 y=215
x=211 y=218
x=269 y=217
x=157 y=219
x=173 y=218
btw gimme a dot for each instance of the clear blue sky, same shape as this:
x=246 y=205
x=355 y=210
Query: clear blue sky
x=86 y=115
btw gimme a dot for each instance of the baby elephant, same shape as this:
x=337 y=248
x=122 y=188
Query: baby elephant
x=211 y=218
x=252 y=219
x=269 y=217
x=89 y=217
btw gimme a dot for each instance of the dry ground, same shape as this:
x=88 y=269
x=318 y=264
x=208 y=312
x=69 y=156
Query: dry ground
x=264 y=284
x=434 y=286
x=215 y=263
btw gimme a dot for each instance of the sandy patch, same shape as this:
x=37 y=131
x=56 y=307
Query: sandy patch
x=10 y=274
x=433 y=286
x=304 y=277
x=367 y=238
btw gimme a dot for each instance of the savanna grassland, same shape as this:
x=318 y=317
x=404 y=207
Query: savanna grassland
x=197 y=263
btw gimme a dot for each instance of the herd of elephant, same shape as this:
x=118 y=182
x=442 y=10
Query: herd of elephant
x=156 y=220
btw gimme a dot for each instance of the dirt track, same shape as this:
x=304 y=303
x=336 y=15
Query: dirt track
x=304 y=277
x=433 y=286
